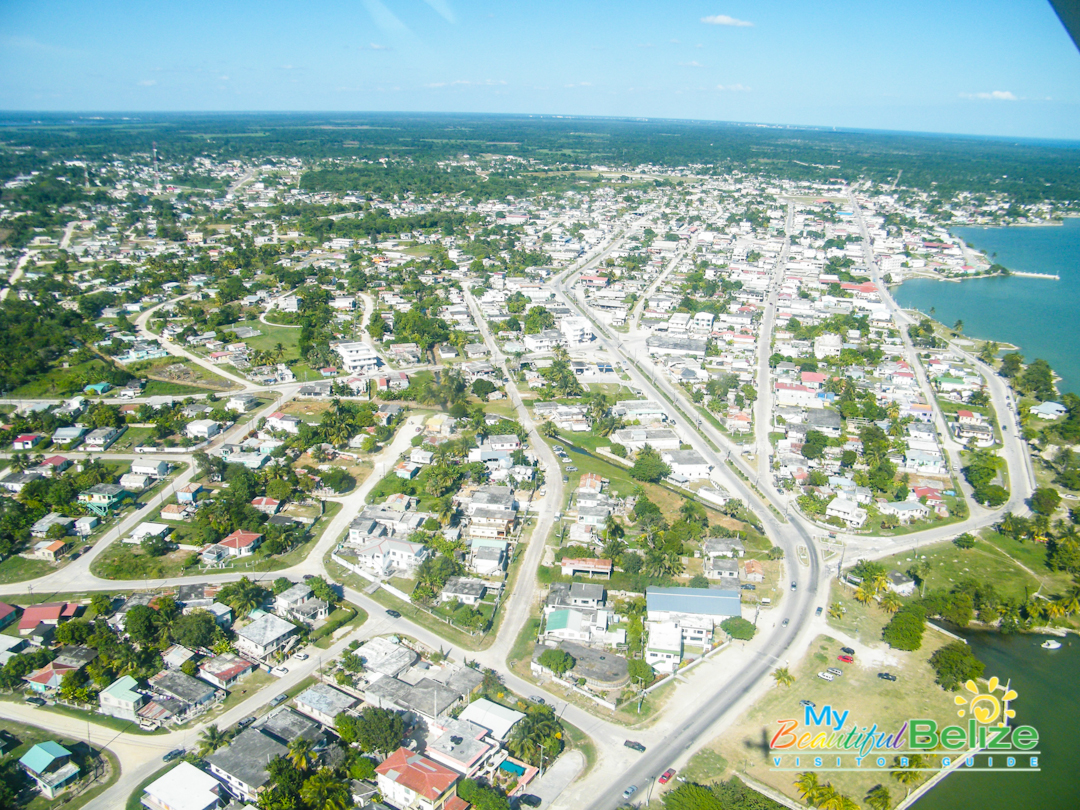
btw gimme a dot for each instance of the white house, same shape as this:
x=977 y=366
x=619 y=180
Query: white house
x=357 y=356
x=848 y=511
x=687 y=464
x=202 y=429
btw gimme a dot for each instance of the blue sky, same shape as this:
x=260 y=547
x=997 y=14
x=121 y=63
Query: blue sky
x=993 y=67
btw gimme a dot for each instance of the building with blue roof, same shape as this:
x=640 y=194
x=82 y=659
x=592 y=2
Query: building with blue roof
x=695 y=610
x=49 y=765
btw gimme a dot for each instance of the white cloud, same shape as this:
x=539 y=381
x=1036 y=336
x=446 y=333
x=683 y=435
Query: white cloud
x=147 y=82
x=733 y=88
x=578 y=84
x=724 y=19
x=467 y=83
x=377 y=47
x=286 y=67
x=695 y=63
x=993 y=95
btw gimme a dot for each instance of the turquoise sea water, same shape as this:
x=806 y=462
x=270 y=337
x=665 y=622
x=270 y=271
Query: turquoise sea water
x=1045 y=682
x=1041 y=316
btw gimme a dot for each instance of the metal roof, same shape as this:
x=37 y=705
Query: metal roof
x=702 y=601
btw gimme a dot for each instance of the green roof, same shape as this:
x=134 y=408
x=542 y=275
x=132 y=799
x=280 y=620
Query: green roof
x=42 y=755
x=124 y=689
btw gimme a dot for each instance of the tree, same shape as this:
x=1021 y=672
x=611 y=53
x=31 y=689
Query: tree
x=649 y=466
x=739 y=628
x=482 y=387
x=101 y=603
x=379 y=730
x=1011 y=364
x=558 y=661
x=211 y=740
x=905 y=630
x=480 y=796
x=808 y=786
x=324 y=791
x=640 y=672
x=195 y=629
x=538 y=734
x=891 y=602
x=690 y=796
x=878 y=798
x=783 y=676
x=139 y=623
x=910 y=774
x=301 y=753
x=954 y=664
x=1045 y=500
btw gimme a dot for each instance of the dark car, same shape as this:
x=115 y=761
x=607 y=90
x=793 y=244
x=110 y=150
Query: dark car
x=537 y=699
x=817 y=612
x=634 y=745
x=247 y=721
x=176 y=753
x=308 y=577
x=528 y=800
x=35 y=701
x=393 y=614
x=847 y=650
x=279 y=700
x=748 y=586
x=785 y=622
x=794 y=585
x=809 y=703
x=886 y=676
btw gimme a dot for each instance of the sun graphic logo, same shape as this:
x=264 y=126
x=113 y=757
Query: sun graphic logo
x=986 y=707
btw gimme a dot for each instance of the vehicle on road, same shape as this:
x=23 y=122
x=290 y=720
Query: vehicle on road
x=847 y=659
x=630 y=791
x=301 y=656
x=247 y=721
x=279 y=671
x=176 y=753
x=35 y=701
x=635 y=745
x=308 y=577
x=794 y=585
x=847 y=651
x=809 y=703
x=886 y=676
x=817 y=612
x=785 y=622
x=825 y=676
x=665 y=777
x=528 y=800
x=278 y=700
x=835 y=671
x=393 y=614
x=537 y=699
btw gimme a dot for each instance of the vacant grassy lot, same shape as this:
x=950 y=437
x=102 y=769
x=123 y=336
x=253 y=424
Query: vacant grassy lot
x=169 y=370
x=60 y=382
x=20 y=569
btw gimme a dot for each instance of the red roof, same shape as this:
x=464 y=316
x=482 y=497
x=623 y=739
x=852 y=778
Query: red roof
x=52 y=613
x=55 y=461
x=965 y=414
x=240 y=539
x=417 y=773
x=28 y=437
x=5 y=611
x=587 y=563
x=257 y=502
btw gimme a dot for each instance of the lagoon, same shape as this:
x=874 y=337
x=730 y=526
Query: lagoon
x=1041 y=316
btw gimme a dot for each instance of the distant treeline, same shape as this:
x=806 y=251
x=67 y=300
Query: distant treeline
x=1028 y=171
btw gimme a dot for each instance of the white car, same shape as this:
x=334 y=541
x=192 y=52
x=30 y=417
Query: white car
x=826 y=676
x=301 y=656
x=279 y=671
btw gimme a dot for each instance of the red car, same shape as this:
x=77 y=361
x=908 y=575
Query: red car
x=665 y=777
x=847 y=659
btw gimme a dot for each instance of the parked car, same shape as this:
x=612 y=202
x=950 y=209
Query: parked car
x=566 y=479
x=847 y=659
x=635 y=745
x=809 y=703
x=835 y=671
x=35 y=701
x=886 y=676
x=528 y=800
x=825 y=676
x=748 y=586
x=301 y=656
x=176 y=753
x=537 y=699
x=247 y=721
x=630 y=791
x=279 y=671
x=571 y=468
x=393 y=614
x=278 y=700
x=847 y=650
x=665 y=777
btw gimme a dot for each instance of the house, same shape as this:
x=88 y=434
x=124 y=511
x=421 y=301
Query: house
x=241 y=543
x=409 y=780
x=122 y=699
x=848 y=511
x=68 y=436
x=224 y=670
x=189 y=493
x=901 y=584
x=688 y=464
x=53 y=466
x=464 y=590
x=497 y=719
x=664 y=648
x=14 y=482
x=268 y=506
x=190 y=692
x=8 y=614
x=51 y=550
x=722 y=568
x=100 y=498
x=48 y=678
x=753 y=571
x=590 y=566
x=102 y=438
x=905 y=511
x=241 y=765
x=153 y=467
x=51 y=615
x=202 y=429
x=299 y=603
x=241 y=403
x=185 y=787
x=357 y=356
x=27 y=441
x=177 y=511
x=42 y=526
x=385 y=554
x=323 y=702
x=49 y=765
x=134 y=482
x=284 y=422
x=264 y=636
x=696 y=610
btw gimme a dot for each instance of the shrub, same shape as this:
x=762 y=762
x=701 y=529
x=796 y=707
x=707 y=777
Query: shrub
x=905 y=630
x=739 y=628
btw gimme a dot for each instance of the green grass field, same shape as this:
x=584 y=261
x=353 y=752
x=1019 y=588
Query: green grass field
x=20 y=569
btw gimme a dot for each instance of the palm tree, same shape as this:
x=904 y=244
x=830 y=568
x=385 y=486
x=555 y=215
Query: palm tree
x=301 y=753
x=445 y=510
x=864 y=595
x=533 y=731
x=783 y=676
x=323 y=791
x=211 y=740
x=549 y=430
x=879 y=798
x=909 y=775
x=891 y=602
x=836 y=610
x=808 y=786
x=1071 y=600
x=279 y=351
x=613 y=530
x=958 y=327
x=879 y=583
x=827 y=798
